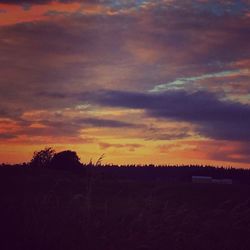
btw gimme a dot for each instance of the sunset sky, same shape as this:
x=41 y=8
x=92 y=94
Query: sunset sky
x=143 y=81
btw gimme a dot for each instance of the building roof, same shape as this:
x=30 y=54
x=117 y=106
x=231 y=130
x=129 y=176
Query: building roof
x=202 y=177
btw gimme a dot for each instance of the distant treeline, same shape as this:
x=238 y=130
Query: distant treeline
x=68 y=160
x=170 y=173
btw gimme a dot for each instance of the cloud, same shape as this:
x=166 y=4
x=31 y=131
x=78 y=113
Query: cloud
x=152 y=46
x=56 y=127
x=105 y=123
x=216 y=8
x=130 y=146
x=7 y=136
x=181 y=83
x=214 y=117
x=172 y=135
x=56 y=13
x=234 y=153
x=220 y=151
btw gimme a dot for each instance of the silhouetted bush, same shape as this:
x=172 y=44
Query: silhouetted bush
x=42 y=158
x=65 y=160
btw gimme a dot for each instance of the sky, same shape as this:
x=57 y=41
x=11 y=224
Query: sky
x=142 y=82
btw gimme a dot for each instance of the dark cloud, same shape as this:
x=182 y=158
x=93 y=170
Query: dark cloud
x=57 y=128
x=172 y=135
x=46 y=57
x=60 y=126
x=3 y=113
x=214 y=117
x=7 y=136
x=9 y=112
x=73 y=127
x=56 y=13
x=95 y=122
x=207 y=37
x=130 y=146
x=240 y=153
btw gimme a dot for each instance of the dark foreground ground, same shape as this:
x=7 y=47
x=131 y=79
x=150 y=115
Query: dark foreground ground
x=46 y=209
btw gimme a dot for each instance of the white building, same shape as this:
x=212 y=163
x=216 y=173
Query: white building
x=223 y=181
x=208 y=179
x=202 y=179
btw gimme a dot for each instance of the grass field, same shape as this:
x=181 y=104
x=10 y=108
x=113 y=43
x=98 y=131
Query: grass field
x=48 y=209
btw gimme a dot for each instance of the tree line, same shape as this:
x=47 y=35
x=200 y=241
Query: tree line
x=48 y=158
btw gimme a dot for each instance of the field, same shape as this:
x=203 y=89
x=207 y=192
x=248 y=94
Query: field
x=49 y=209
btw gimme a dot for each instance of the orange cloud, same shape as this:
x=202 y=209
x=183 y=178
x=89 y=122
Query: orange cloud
x=208 y=152
x=13 y=14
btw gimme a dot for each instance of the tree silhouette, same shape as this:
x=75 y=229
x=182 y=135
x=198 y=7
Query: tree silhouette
x=66 y=160
x=42 y=158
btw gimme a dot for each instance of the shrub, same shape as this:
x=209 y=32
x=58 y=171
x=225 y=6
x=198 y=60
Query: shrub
x=42 y=158
x=65 y=160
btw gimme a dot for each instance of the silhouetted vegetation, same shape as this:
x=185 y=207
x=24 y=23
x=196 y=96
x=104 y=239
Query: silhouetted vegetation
x=113 y=207
x=48 y=158
x=65 y=160
x=42 y=158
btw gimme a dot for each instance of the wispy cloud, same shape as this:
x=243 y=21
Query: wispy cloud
x=181 y=83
